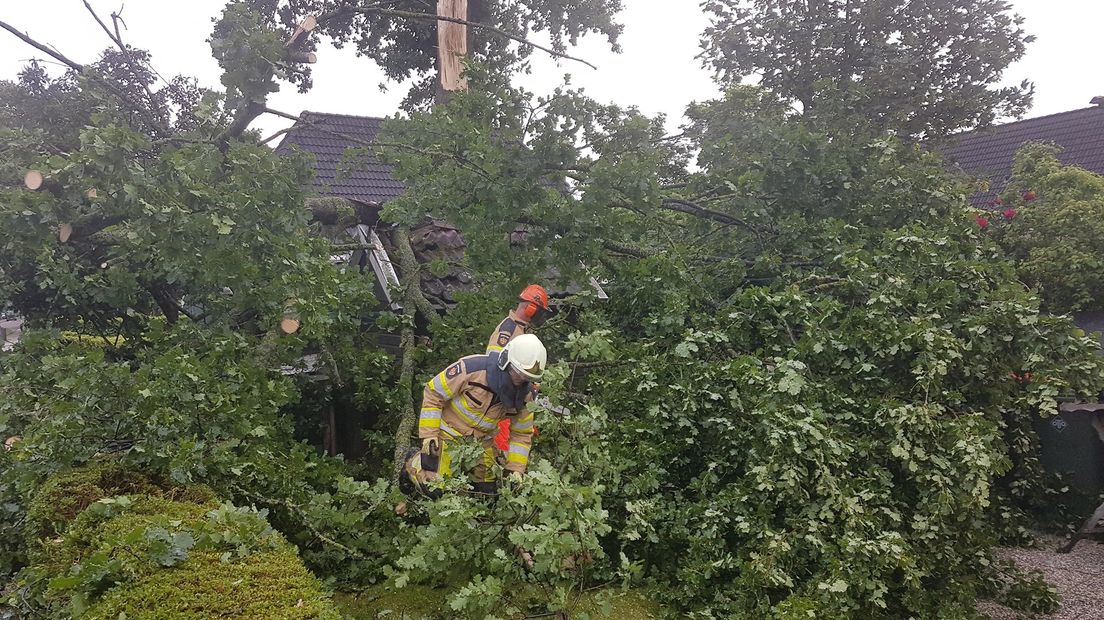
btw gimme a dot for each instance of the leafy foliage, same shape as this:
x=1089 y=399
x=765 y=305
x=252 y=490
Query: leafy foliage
x=843 y=442
x=401 y=36
x=1053 y=234
x=795 y=403
x=806 y=354
x=916 y=68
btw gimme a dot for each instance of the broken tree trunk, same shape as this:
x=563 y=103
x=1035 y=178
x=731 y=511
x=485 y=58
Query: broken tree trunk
x=310 y=22
x=308 y=58
x=452 y=44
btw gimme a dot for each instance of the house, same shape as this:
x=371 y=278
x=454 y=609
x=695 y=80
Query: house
x=988 y=153
x=348 y=172
x=349 y=175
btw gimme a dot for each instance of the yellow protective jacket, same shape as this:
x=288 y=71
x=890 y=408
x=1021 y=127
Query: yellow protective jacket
x=509 y=327
x=468 y=399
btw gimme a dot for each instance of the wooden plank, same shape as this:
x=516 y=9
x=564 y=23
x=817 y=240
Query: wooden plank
x=452 y=44
x=1088 y=528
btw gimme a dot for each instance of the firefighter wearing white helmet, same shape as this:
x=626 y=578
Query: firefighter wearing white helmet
x=468 y=399
x=525 y=355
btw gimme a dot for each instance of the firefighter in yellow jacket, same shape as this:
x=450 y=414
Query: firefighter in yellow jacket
x=468 y=399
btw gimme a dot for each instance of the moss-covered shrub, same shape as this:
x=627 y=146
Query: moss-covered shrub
x=116 y=544
x=64 y=496
x=272 y=585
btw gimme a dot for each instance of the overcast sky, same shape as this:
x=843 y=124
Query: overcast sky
x=657 y=70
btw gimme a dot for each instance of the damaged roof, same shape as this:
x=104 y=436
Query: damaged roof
x=989 y=152
x=363 y=178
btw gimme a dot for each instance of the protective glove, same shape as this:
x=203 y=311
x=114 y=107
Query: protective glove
x=431 y=454
x=514 y=479
x=431 y=446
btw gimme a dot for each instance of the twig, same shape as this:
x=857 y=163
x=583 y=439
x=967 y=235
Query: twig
x=454 y=20
x=118 y=40
x=79 y=68
x=598 y=364
x=305 y=520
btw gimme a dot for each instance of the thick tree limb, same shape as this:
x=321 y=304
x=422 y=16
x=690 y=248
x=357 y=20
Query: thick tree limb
x=165 y=302
x=240 y=123
x=413 y=301
x=84 y=228
x=691 y=208
x=627 y=250
x=456 y=20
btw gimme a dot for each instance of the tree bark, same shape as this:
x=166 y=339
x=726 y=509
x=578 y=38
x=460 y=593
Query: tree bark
x=411 y=280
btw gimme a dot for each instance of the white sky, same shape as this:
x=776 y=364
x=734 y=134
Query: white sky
x=657 y=70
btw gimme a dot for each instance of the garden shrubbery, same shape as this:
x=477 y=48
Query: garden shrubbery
x=107 y=543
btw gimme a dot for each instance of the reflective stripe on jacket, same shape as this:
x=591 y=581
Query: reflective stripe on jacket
x=509 y=327
x=459 y=402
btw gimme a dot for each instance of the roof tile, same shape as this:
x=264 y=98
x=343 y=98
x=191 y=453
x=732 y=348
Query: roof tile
x=989 y=152
x=363 y=178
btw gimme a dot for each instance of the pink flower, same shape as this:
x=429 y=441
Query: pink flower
x=1009 y=213
x=982 y=221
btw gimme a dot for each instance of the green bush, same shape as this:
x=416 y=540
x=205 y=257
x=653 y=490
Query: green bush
x=66 y=495
x=263 y=586
x=1052 y=225
x=141 y=548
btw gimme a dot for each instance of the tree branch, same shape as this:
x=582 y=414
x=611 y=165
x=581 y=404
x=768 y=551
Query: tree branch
x=82 y=229
x=240 y=123
x=75 y=66
x=628 y=250
x=691 y=208
x=455 y=20
x=117 y=38
x=79 y=68
x=413 y=301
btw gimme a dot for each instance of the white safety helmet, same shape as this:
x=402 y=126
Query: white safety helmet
x=526 y=354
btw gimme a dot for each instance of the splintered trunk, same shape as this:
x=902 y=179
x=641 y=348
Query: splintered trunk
x=452 y=47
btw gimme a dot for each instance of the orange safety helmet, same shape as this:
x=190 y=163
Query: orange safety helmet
x=537 y=307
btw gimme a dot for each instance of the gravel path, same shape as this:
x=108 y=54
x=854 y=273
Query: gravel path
x=1078 y=576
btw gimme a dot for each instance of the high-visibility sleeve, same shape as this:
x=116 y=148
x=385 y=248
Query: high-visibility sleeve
x=442 y=388
x=521 y=440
